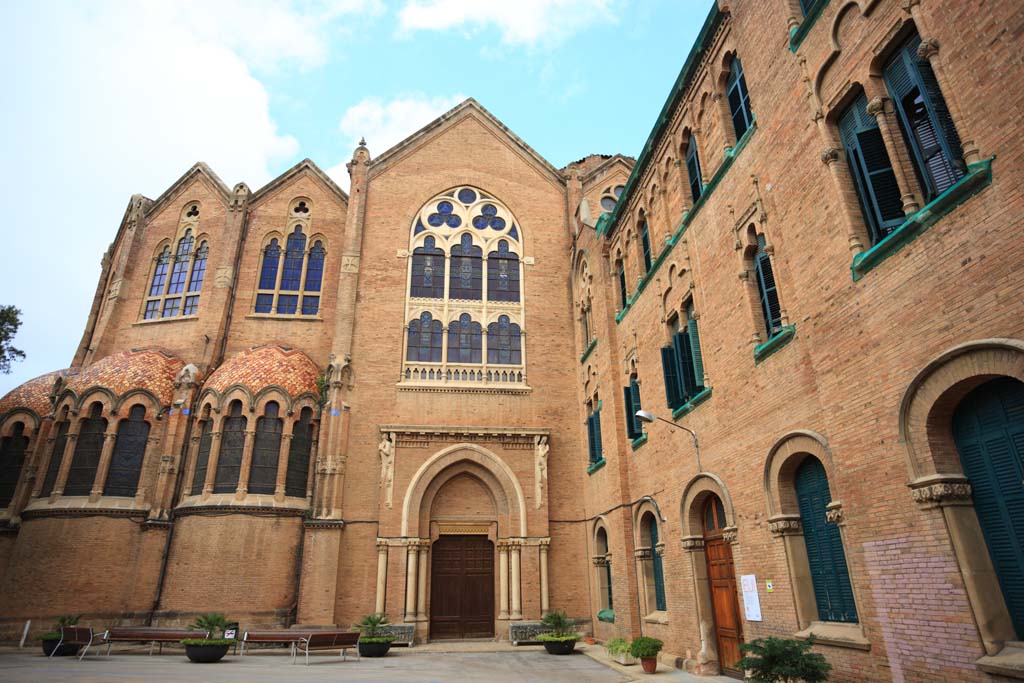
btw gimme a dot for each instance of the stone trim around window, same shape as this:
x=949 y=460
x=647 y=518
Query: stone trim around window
x=778 y=340
x=798 y=33
x=835 y=633
x=658 y=617
x=595 y=466
x=590 y=350
x=639 y=441
x=692 y=403
x=979 y=176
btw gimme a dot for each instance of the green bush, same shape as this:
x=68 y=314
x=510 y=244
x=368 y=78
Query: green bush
x=377 y=639
x=558 y=624
x=208 y=641
x=617 y=646
x=214 y=622
x=371 y=628
x=557 y=638
x=779 y=660
x=644 y=647
x=62 y=620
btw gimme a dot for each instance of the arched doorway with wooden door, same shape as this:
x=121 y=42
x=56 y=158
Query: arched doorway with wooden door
x=722 y=582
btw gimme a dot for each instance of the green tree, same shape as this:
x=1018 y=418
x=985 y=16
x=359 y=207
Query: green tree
x=10 y=321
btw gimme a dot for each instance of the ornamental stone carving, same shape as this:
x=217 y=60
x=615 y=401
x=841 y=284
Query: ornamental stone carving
x=387 y=466
x=876 y=107
x=928 y=48
x=830 y=155
x=730 y=535
x=692 y=543
x=943 y=493
x=785 y=526
x=540 y=475
x=834 y=513
x=642 y=553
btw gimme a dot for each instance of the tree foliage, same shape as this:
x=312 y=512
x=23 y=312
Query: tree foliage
x=10 y=321
x=779 y=660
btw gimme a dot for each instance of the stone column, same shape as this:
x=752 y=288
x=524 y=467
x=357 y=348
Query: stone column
x=212 y=461
x=68 y=456
x=410 y=581
x=517 y=601
x=544 y=543
x=109 y=439
x=855 y=233
x=190 y=464
x=382 y=575
x=282 y=460
x=421 y=590
x=643 y=561
x=503 y=579
x=243 y=472
x=881 y=109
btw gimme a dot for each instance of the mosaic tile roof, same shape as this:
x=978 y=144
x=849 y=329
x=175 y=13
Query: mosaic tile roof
x=262 y=366
x=33 y=394
x=122 y=372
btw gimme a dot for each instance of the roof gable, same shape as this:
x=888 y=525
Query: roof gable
x=200 y=171
x=304 y=167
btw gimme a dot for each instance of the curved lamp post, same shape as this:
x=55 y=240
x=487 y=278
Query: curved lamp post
x=649 y=417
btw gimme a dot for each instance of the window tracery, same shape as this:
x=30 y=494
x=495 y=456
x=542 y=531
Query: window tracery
x=178 y=272
x=292 y=267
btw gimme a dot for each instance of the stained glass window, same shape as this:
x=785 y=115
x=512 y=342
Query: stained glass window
x=12 y=457
x=424 y=340
x=467 y=270
x=232 y=443
x=295 y=250
x=181 y=261
x=315 y=267
x=427 y=271
x=129 y=451
x=265 y=451
x=86 y=458
x=271 y=260
x=502 y=274
x=464 y=340
x=202 y=456
x=298 y=455
x=504 y=343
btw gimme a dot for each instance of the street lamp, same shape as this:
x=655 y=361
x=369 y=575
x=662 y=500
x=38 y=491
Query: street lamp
x=649 y=417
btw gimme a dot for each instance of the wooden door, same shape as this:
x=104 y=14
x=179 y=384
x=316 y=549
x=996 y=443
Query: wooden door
x=462 y=588
x=722 y=581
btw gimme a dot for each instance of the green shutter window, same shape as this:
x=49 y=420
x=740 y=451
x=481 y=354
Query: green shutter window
x=634 y=390
x=871 y=169
x=698 y=359
x=591 y=443
x=684 y=356
x=829 y=574
x=766 y=289
x=693 y=169
x=630 y=410
x=924 y=119
x=645 y=240
x=623 y=292
x=670 y=371
x=739 y=99
x=657 y=570
x=597 y=435
x=988 y=427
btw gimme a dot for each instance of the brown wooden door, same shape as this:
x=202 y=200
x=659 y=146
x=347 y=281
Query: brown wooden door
x=722 y=580
x=462 y=588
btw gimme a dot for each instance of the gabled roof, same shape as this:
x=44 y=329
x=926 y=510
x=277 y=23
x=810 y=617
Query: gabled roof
x=199 y=170
x=304 y=166
x=468 y=107
x=606 y=165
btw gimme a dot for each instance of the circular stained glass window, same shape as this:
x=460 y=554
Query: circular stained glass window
x=467 y=196
x=607 y=203
x=453 y=221
x=618 y=190
x=480 y=222
x=435 y=220
x=490 y=210
x=498 y=223
x=444 y=207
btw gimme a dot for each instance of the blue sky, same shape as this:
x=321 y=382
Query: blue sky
x=105 y=99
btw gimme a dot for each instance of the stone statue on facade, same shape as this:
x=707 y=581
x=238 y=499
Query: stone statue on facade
x=387 y=466
x=541 y=449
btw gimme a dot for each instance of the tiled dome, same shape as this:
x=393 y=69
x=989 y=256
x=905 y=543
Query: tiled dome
x=33 y=395
x=151 y=370
x=263 y=366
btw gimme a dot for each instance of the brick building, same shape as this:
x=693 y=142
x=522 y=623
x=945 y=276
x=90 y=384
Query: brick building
x=300 y=405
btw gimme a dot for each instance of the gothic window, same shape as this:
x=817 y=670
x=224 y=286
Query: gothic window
x=60 y=442
x=504 y=343
x=595 y=449
x=424 y=340
x=178 y=272
x=266 y=450
x=604 y=569
x=739 y=98
x=12 y=457
x=129 y=451
x=653 y=571
x=503 y=274
x=88 y=447
x=620 y=269
x=467 y=270
x=291 y=277
x=464 y=340
x=645 y=243
x=767 y=292
x=297 y=474
x=693 y=169
x=232 y=443
x=610 y=196
x=682 y=362
x=428 y=271
x=202 y=455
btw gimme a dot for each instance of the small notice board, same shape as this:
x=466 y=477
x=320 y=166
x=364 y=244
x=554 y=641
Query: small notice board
x=751 y=603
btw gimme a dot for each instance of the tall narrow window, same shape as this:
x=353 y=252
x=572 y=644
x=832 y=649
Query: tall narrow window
x=297 y=475
x=12 y=458
x=60 y=443
x=766 y=289
x=620 y=266
x=645 y=242
x=464 y=340
x=682 y=361
x=129 y=451
x=202 y=456
x=265 y=451
x=268 y=276
x=314 y=279
x=195 y=283
x=604 y=569
x=693 y=169
x=232 y=443
x=424 y=340
x=290 y=279
x=178 y=277
x=924 y=119
x=825 y=554
x=427 y=271
x=502 y=274
x=739 y=98
x=291 y=273
x=595 y=448
x=871 y=170
x=634 y=427
x=656 y=575
x=504 y=343
x=467 y=270
x=86 y=458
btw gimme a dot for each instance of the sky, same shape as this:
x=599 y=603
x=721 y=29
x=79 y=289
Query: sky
x=104 y=99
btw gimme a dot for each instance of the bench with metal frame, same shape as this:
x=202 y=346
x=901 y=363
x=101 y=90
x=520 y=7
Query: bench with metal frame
x=327 y=640
x=75 y=635
x=289 y=638
x=149 y=634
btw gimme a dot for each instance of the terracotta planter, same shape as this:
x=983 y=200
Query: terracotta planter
x=206 y=654
x=559 y=647
x=650 y=664
x=63 y=651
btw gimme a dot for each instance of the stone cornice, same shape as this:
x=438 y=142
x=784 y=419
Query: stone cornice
x=939 y=490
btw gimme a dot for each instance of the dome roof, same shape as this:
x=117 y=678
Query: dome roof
x=153 y=371
x=263 y=366
x=33 y=395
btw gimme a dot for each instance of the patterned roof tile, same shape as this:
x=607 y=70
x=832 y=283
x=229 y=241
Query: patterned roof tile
x=262 y=366
x=122 y=372
x=33 y=394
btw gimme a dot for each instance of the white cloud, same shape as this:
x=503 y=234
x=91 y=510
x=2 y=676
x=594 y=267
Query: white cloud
x=523 y=22
x=386 y=123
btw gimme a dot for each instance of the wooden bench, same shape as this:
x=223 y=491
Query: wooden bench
x=149 y=634
x=75 y=635
x=289 y=638
x=327 y=640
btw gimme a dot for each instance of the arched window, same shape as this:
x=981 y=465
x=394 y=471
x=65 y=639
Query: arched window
x=297 y=474
x=739 y=98
x=60 y=443
x=314 y=279
x=610 y=196
x=504 y=343
x=265 y=451
x=503 y=274
x=467 y=270
x=232 y=443
x=682 y=360
x=424 y=340
x=203 y=454
x=427 y=271
x=693 y=168
x=766 y=289
x=291 y=285
x=464 y=340
x=178 y=277
x=88 y=447
x=12 y=457
x=654 y=572
x=129 y=451
x=825 y=554
x=645 y=243
x=620 y=268
x=634 y=427
x=604 y=570
x=714 y=516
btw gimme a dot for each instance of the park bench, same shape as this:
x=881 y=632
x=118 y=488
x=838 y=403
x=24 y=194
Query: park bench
x=289 y=638
x=327 y=640
x=75 y=635
x=149 y=634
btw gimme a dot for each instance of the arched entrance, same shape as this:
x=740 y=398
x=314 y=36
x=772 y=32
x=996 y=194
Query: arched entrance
x=462 y=594
x=722 y=581
x=988 y=427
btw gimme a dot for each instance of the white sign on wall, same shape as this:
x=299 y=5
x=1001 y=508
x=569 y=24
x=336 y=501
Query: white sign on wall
x=751 y=603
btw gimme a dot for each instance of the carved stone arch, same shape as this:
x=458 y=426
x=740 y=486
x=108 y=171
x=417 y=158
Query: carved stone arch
x=271 y=235
x=94 y=394
x=28 y=418
x=154 y=409
x=695 y=495
x=240 y=392
x=210 y=397
x=783 y=460
x=270 y=393
x=647 y=505
x=486 y=466
x=318 y=237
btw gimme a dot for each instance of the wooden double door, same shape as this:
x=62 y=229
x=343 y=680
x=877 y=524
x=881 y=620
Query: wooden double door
x=722 y=581
x=462 y=588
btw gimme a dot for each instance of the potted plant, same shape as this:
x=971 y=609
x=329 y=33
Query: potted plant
x=211 y=648
x=618 y=650
x=780 y=660
x=373 y=638
x=52 y=637
x=646 y=650
x=560 y=638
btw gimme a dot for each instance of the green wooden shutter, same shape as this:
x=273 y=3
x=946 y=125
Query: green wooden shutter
x=684 y=355
x=645 y=239
x=988 y=427
x=698 y=358
x=670 y=371
x=634 y=390
x=630 y=416
x=693 y=169
x=657 y=571
x=591 y=444
x=598 y=450
x=829 y=574
x=766 y=289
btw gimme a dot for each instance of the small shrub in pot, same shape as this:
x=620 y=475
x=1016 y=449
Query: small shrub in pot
x=646 y=650
x=561 y=637
x=373 y=641
x=52 y=637
x=618 y=650
x=211 y=649
x=780 y=660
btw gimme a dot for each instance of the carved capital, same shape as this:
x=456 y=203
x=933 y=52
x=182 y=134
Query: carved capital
x=692 y=543
x=642 y=553
x=600 y=560
x=730 y=535
x=928 y=48
x=941 y=490
x=830 y=155
x=834 y=513
x=908 y=5
x=718 y=96
x=382 y=545
x=786 y=525
x=877 y=106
